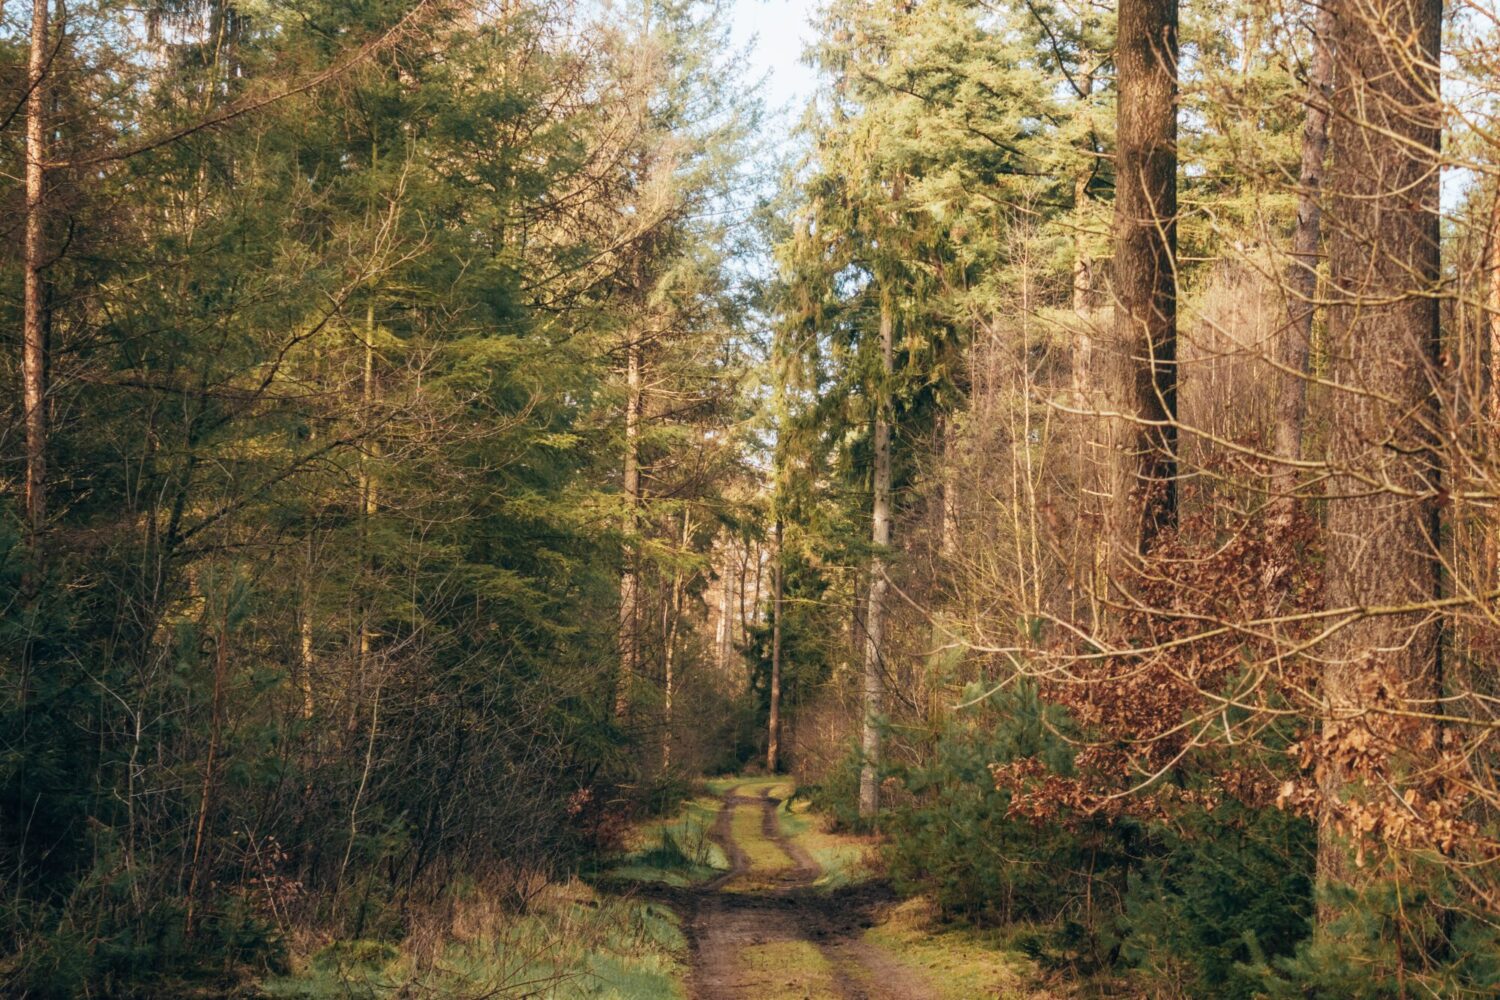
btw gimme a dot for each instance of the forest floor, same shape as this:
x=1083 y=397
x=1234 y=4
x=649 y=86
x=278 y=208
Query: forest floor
x=801 y=913
x=741 y=895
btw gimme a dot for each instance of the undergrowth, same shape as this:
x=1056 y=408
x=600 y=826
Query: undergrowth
x=569 y=943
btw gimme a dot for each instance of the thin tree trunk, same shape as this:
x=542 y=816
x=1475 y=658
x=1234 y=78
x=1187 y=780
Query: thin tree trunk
x=773 y=728
x=1492 y=403
x=721 y=633
x=1145 y=282
x=367 y=497
x=880 y=537
x=760 y=565
x=34 y=327
x=1382 y=545
x=629 y=575
x=1494 y=312
x=668 y=656
x=207 y=791
x=1302 y=270
x=947 y=512
x=305 y=635
x=1083 y=266
x=744 y=588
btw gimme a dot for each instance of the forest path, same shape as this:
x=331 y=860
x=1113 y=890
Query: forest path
x=767 y=930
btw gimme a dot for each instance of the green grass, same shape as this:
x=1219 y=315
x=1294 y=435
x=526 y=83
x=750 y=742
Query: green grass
x=789 y=970
x=675 y=851
x=723 y=785
x=766 y=858
x=961 y=963
x=571 y=945
x=844 y=860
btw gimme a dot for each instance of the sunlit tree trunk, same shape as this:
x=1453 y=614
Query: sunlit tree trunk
x=1301 y=282
x=34 y=325
x=669 y=661
x=947 y=513
x=744 y=590
x=629 y=575
x=773 y=727
x=1083 y=266
x=1143 y=493
x=367 y=492
x=756 y=611
x=880 y=537
x=305 y=636
x=1384 y=275
x=1491 y=552
x=1494 y=312
x=721 y=631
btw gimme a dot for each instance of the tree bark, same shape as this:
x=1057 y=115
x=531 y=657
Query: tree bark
x=1083 y=266
x=669 y=653
x=1301 y=282
x=368 y=502
x=880 y=537
x=721 y=631
x=34 y=327
x=1144 y=491
x=629 y=578
x=1383 y=342
x=1494 y=312
x=773 y=727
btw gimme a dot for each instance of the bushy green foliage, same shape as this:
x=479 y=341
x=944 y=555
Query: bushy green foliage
x=1195 y=903
x=327 y=613
x=1395 y=937
x=1216 y=892
x=950 y=835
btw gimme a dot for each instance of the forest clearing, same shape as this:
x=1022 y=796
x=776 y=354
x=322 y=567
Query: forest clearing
x=749 y=499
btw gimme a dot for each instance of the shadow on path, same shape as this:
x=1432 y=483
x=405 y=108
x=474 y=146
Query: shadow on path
x=775 y=934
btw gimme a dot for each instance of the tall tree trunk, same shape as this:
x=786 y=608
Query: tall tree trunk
x=1145 y=280
x=1494 y=312
x=669 y=653
x=1491 y=407
x=34 y=326
x=721 y=631
x=880 y=537
x=305 y=635
x=1083 y=266
x=208 y=789
x=1301 y=282
x=946 y=457
x=367 y=497
x=629 y=575
x=1382 y=545
x=760 y=566
x=744 y=588
x=773 y=726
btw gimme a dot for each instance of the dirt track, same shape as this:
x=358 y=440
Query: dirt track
x=763 y=931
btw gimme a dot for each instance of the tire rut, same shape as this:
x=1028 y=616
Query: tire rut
x=791 y=914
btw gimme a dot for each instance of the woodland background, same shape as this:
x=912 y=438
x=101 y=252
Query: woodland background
x=438 y=432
